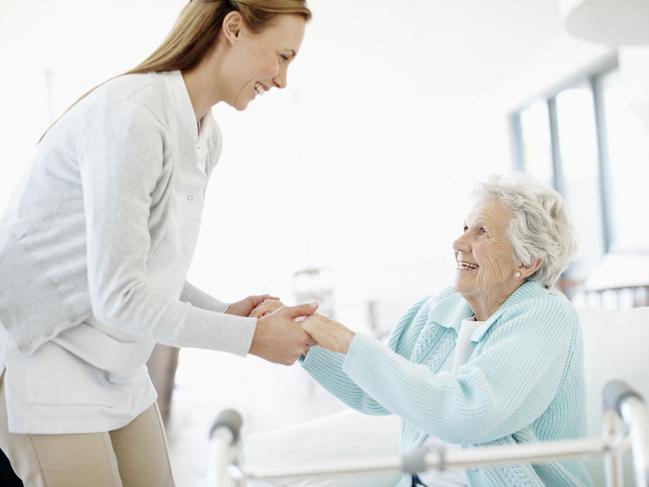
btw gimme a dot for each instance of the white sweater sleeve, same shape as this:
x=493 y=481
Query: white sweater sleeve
x=122 y=155
x=191 y=294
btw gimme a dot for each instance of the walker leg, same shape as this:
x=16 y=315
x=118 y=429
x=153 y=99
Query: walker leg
x=613 y=461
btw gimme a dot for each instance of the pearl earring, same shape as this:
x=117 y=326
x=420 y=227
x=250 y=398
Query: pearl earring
x=518 y=274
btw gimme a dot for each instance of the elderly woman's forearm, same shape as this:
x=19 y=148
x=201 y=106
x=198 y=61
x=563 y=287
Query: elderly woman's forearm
x=326 y=368
x=480 y=405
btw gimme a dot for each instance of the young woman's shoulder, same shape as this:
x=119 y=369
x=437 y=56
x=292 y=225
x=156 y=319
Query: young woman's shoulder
x=144 y=95
x=148 y=90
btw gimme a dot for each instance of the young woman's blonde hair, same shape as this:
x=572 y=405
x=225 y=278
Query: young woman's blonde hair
x=198 y=26
x=197 y=29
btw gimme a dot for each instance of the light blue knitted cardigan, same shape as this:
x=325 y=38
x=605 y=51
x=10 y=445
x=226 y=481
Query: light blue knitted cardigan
x=523 y=383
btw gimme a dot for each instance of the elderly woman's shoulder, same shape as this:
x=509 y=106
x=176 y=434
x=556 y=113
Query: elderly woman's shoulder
x=547 y=304
x=448 y=298
x=428 y=303
x=445 y=295
x=531 y=299
x=528 y=303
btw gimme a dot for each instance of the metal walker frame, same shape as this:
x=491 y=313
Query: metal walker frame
x=626 y=425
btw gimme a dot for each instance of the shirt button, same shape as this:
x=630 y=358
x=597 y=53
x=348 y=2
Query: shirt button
x=190 y=197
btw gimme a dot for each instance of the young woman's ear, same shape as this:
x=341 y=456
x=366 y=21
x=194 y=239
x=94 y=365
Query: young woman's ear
x=526 y=271
x=232 y=25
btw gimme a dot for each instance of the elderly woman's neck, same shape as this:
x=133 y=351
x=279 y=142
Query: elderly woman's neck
x=486 y=303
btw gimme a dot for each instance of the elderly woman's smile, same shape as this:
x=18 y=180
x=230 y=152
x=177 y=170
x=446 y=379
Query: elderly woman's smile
x=466 y=266
x=487 y=267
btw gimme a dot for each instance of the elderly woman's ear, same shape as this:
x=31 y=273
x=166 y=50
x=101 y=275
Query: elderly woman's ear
x=525 y=271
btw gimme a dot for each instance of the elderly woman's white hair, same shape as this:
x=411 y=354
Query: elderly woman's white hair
x=539 y=226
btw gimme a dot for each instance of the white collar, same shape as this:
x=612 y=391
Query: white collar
x=188 y=125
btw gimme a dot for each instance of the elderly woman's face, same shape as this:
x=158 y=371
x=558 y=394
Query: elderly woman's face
x=484 y=254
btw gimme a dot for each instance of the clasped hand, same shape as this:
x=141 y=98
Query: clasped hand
x=323 y=331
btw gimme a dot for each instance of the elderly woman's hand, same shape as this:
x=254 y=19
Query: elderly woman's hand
x=266 y=307
x=328 y=333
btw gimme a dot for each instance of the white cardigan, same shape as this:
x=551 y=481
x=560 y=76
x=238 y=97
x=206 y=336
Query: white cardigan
x=76 y=239
x=94 y=250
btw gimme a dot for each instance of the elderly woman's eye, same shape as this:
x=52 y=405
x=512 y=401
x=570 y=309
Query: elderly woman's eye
x=483 y=231
x=465 y=228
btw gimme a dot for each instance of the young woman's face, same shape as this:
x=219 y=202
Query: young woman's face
x=258 y=62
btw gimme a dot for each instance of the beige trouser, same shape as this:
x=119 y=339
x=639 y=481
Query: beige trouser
x=135 y=455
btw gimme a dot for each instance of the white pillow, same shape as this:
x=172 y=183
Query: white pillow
x=343 y=436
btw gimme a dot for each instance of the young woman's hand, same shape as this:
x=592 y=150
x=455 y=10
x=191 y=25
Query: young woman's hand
x=328 y=333
x=279 y=338
x=246 y=305
x=266 y=307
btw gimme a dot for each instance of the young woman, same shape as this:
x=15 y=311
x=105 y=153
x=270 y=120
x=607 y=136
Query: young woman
x=97 y=239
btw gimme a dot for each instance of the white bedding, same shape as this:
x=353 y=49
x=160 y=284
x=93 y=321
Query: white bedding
x=339 y=437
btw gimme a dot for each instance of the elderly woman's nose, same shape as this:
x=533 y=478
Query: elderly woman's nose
x=462 y=243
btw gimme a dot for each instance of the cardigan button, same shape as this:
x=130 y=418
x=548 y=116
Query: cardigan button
x=190 y=197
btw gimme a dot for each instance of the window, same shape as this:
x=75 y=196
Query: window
x=561 y=140
x=536 y=144
x=628 y=168
x=579 y=161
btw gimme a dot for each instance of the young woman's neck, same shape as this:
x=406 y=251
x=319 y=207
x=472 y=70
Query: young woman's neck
x=203 y=84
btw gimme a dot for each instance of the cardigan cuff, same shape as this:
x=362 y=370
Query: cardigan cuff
x=194 y=296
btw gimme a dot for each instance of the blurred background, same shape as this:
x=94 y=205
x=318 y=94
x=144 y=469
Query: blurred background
x=350 y=185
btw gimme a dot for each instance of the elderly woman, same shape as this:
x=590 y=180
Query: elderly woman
x=496 y=359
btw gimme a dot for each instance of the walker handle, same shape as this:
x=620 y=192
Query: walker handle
x=615 y=393
x=229 y=419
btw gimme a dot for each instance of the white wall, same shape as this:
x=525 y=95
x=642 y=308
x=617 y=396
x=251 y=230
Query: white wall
x=360 y=185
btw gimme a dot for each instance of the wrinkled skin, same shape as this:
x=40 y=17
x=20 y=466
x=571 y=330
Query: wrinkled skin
x=485 y=242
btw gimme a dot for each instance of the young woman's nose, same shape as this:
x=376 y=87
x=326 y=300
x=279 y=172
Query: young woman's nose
x=279 y=80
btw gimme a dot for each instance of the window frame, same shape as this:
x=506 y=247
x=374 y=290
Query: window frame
x=593 y=77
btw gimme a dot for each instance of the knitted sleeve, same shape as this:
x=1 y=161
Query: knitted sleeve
x=504 y=387
x=191 y=294
x=327 y=367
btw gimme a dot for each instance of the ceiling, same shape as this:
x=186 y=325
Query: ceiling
x=359 y=47
x=421 y=46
